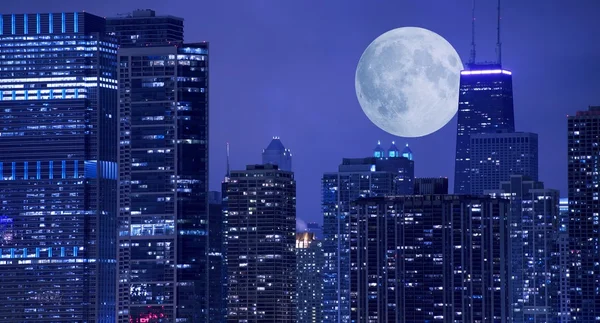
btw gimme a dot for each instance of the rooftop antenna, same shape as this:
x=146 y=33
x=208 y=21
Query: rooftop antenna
x=498 y=43
x=228 y=161
x=472 y=57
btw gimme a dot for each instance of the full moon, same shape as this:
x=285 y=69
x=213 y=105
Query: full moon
x=407 y=82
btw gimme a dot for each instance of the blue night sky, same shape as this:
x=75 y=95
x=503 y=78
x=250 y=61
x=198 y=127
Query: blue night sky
x=286 y=68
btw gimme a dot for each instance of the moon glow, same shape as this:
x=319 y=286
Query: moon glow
x=407 y=82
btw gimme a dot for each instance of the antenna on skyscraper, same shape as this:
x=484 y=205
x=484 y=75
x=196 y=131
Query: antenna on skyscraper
x=227 y=160
x=472 y=56
x=498 y=43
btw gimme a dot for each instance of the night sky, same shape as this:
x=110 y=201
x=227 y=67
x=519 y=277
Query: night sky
x=286 y=68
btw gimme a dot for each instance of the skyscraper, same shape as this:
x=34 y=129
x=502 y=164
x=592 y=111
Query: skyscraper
x=429 y=258
x=217 y=301
x=497 y=156
x=261 y=241
x=309 y=257
x=163 y=225
x=430 y=185
x=356 y=177
x=401 y=164
x=584 y=218
x=58 y=168
x=534 y=258
x=277 y=154
x=563 y=264
x=485 y=105
x=145 y=28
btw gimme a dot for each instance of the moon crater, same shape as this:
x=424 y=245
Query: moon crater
x=407 y=82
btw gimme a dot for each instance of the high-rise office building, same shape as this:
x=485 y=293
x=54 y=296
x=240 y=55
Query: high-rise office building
x=58 y=165
x=485 y=105
x=163 y=224
x=217 y=301
x=355 y=178
x=401 y=164
x=584 y=217
x=261 y=241
x=429 y=258
x=497 y=156
x=431 y=185
x=309 y=257
x=534 y=258
x=277 y=154
x=145 y=28
x=563 y=263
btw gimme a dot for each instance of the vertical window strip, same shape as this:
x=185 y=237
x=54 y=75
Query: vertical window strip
x=64 y=23
x=37 y=23
x=50 y=23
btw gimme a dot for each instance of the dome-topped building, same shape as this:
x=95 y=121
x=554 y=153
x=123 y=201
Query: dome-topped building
x=406 y=152
x=393 y=151
x=378 y=152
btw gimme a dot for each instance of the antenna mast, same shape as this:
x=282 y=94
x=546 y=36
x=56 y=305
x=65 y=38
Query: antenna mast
x=498 y=43
x=228 y=161
x=472 y=57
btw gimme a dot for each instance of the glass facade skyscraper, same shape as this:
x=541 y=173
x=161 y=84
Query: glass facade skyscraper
x=584 y=215
x=145 y=28
x=217 y=300
x=277 y=154
x=535 y=255
x=163 y=223
x=497 y=156
x=261 y=243
x=356 y=178
x=309 y=288
x=485 y=105
x=429 y=258
x=58 y=168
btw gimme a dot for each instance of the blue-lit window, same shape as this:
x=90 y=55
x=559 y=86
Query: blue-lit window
x=50 y=252
x=76 y=166
x=39 y=170
x=51 y=170
x=13 y=24
x=1 y=25
x=37 y=23
x=26 y=170
x=50 y=27
x=37 y=252
x=1 y=171
x=76 y=22
x=14 y=171
x=64 y=169
x=75 y=250
x=64 y=23
x=25 y=26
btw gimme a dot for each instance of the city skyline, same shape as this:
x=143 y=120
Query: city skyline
x=273 y=35
x=112 y=156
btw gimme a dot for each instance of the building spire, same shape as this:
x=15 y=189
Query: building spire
x=472 y=56
x=498 y=43
x=228 y=171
